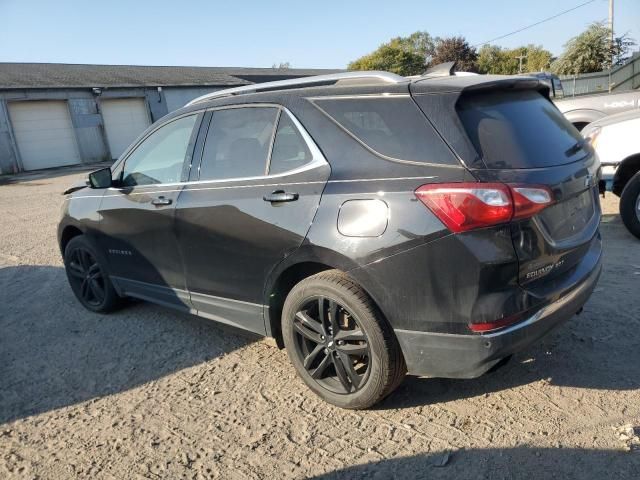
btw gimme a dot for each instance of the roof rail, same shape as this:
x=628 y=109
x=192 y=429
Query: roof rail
x=372 y=76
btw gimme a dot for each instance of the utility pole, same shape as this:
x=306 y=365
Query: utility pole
x=611 y=41
x=520 y=57
x=611 y=19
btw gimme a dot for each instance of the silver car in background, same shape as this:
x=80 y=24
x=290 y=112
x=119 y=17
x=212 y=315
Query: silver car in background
x=584 y=109
x=616 y=139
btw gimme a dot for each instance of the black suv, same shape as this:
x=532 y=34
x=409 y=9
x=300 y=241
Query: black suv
x=373 y=225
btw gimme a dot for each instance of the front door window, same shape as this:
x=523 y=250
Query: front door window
x=238 y=143
x=159 y=158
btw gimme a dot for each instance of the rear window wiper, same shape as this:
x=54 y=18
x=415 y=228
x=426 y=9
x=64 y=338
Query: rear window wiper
x=575 y=148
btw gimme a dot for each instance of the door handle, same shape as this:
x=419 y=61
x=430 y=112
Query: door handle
x=280 y=196
x=161 y=201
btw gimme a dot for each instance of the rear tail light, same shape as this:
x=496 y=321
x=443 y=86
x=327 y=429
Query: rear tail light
x=527 y=201
x=467 y=206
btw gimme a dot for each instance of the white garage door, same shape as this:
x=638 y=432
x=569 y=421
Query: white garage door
x=124 y=119
x=44 y=134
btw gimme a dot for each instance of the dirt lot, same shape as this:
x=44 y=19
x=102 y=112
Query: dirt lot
x=149 y=393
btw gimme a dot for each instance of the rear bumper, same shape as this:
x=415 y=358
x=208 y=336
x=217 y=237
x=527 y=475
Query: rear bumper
x=469 y=356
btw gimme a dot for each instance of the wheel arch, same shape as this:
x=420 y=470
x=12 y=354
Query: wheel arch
x=583 y=116
x=305 y=262
x=280 y=288
x=627 y=169
x=66 y=234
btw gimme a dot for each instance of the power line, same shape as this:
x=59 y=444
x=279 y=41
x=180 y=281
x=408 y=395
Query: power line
x=534 y=24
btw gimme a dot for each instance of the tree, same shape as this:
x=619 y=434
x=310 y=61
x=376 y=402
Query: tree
x=455 y=49
x=281 y=66
x=592 y=50
x=401 y=55
x=538 y=59
x=621 y=48
x=418 y=42
x=503 y=61
x=496 y=60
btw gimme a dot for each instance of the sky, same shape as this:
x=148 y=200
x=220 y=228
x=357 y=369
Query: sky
x=251 y=33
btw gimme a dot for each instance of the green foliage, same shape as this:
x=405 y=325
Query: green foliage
x=503 y=61
x=496 y=60
x=455 y=49
x=418 y=42
x=538 y=59
x=413 y=54
x=592 y=50
x=400 y=55
x=622 y=49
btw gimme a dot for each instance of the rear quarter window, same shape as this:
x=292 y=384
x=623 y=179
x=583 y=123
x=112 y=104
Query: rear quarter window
x=391 y=126
x=518 y=130
x=289 y=148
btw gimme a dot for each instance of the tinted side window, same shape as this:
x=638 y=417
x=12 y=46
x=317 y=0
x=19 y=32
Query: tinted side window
x=519 y=130
x=159 y=158
x=290 y=151
x=391 y=126
x=238 y=143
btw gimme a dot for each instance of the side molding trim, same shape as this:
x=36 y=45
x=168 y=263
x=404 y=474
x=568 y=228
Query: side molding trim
x=243 y=315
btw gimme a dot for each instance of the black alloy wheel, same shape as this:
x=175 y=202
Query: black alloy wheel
x=338 y=341
x=331 y=345
x=630 y=205
x=86 y=276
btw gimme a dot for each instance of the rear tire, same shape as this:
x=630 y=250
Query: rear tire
x=630 y=205
x=88 y=277
x=339 y=343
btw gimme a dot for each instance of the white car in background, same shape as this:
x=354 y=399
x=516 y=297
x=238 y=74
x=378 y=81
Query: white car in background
x=616 y=139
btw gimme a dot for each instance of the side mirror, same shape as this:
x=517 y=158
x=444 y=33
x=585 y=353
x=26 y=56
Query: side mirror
x=100 y=178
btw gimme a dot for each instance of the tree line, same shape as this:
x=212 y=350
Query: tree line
x=591 y=51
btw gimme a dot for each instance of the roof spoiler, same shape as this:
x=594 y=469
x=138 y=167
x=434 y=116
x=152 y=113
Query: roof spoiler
x=441 y=70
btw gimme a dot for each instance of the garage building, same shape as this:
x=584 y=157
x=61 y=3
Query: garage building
x=53 y=115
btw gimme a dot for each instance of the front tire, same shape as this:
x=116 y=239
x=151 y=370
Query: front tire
x=88 y=278
x=630 y=205
x=339 y=343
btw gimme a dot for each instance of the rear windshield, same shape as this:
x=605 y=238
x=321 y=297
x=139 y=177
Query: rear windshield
x=391 y=126
x=519 y=130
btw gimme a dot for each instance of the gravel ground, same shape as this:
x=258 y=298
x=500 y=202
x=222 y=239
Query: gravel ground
x=149 y=393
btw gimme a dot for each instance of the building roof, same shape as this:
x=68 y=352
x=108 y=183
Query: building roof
x=64 y=75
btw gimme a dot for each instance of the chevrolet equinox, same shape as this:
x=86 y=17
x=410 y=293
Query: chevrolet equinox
x=374 y=225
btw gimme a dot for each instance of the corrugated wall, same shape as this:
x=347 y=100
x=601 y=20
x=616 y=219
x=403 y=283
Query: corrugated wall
x=87 y=123
x=8 y=159
x=624 y=77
